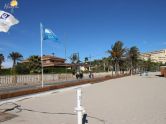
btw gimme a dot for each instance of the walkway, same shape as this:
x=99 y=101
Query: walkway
x=129 y=100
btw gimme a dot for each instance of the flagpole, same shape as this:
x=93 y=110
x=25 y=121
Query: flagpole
x=41 y=38
x=65 y=61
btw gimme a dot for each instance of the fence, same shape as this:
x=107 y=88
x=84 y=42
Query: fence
x=22 y=80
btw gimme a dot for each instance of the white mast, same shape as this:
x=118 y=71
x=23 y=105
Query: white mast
x=41 y=38
x=79 y=109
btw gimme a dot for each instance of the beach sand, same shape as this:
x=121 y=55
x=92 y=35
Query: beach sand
x=128 y=100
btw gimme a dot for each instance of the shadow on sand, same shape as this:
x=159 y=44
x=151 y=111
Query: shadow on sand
x=159 y=75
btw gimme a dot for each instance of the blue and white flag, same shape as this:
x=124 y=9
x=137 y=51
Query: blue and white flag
x=48 y=34
x=6 y=21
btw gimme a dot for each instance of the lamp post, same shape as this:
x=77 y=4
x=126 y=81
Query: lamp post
x=90 y=62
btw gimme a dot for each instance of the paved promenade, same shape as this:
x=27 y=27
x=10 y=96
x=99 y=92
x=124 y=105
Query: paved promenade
x=129 y=100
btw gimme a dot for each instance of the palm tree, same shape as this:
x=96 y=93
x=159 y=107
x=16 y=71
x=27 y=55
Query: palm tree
x=86 y=59
x=74 y=58
x=106 y=62
x=96 y=65
x=87 y=62
x=34 y=64
x=117 y=52
x=15 y=56
x=133 y=56
x=2 y=59
x=110 y=64
x=75 y=61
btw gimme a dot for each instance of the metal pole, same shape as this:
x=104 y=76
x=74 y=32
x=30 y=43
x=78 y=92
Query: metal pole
x=79 y=109
x=131 y=67
x=41 y=38
x=66 y=65
x=79 y=62
x=90 y=63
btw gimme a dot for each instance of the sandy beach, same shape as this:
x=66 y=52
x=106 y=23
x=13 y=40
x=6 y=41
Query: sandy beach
x=129 y=100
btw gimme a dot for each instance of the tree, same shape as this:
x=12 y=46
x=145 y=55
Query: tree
x=97 y=65
x=34 y=64
x=117 y=52
x=104 y=62
x=75 y=60
x=2 y=59
x=110 y=64
x=15 y=56
x=87 y=63
x=86 y=59
x=133 y=55
x=124 y=64
x=22 y=68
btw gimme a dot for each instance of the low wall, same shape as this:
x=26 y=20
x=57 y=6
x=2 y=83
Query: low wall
x=21 y=80
x=165 y=73
x=163 y=70
x=17 y=93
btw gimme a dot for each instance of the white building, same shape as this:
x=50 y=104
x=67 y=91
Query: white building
x=155 y=56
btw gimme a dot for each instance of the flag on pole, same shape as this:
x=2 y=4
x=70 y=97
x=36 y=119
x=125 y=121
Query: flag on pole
x=48 y=34
x=6 y=21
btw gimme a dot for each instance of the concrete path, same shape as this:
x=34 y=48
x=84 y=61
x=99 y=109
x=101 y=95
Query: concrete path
x=129 y=100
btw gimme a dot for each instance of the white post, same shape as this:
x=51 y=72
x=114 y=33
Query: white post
x=90 y=63
x=65 y=61
x=79 y=109
x=41 y=38
x=131 y=67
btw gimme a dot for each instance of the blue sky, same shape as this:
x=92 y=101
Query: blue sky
x=89 y=27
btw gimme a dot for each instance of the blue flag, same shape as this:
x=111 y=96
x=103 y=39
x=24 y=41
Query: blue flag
x=49 y=35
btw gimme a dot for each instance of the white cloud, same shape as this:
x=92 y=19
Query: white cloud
x=7 y=64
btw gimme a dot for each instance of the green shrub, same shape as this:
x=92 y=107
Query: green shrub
x=57 y=70
x=6 y=71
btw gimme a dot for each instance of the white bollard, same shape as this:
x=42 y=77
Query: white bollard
x=79 y=109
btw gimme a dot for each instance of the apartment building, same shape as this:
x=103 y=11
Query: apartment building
x=155 y=56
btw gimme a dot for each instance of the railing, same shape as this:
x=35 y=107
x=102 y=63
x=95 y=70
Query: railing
x=23 y=80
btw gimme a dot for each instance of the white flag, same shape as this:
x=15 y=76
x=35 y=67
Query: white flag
x=6 y=21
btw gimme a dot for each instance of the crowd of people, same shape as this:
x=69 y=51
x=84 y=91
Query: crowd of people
x=79 y=75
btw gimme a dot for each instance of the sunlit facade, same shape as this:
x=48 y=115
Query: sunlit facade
x=155 y=56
